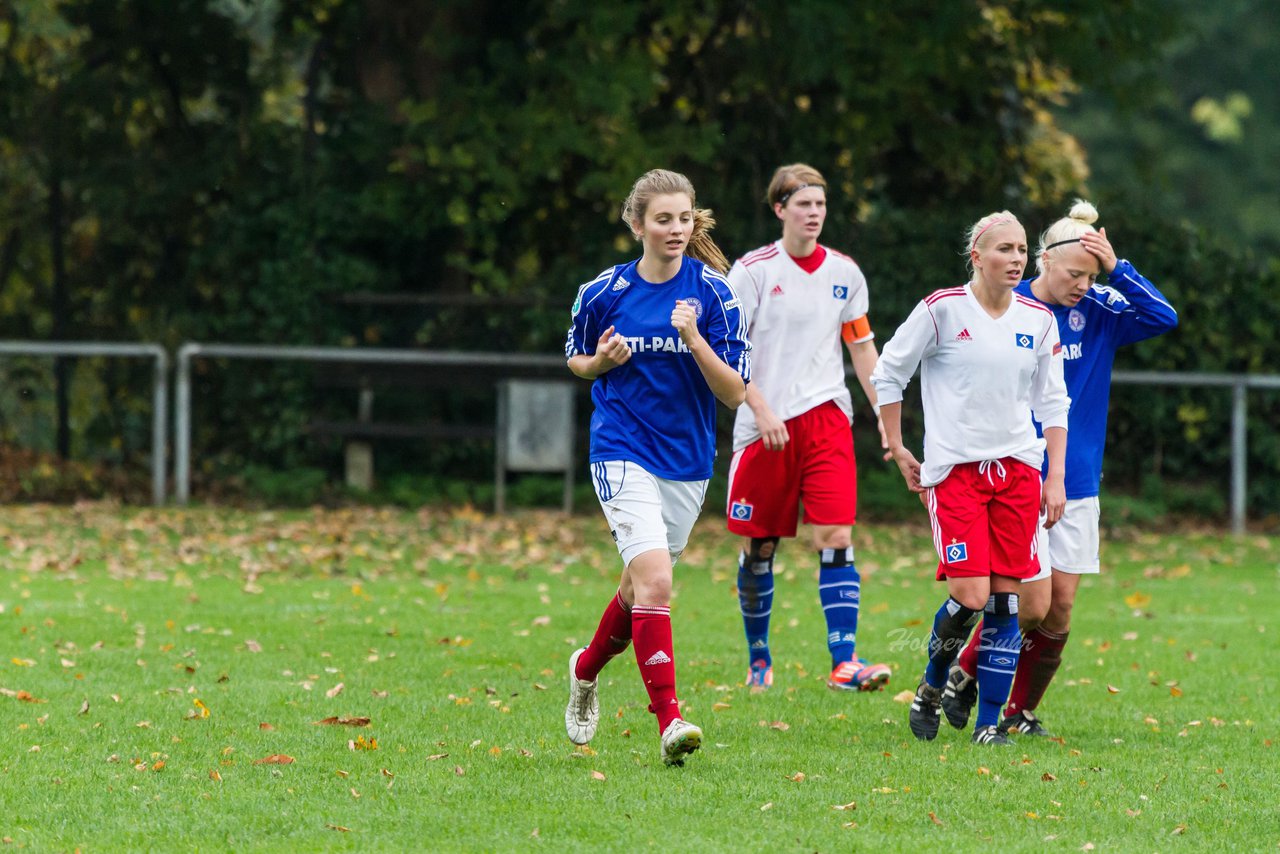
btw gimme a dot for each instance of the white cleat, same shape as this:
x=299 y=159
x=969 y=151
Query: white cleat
x=679 y=739
x=582 y=715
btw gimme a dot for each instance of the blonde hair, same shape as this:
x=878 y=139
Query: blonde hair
x=1078 y=221
x=979 y=229
x=659 y=182
x=790 y=179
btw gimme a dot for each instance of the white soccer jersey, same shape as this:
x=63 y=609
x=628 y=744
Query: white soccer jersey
x=794 y=319
x=981 y=379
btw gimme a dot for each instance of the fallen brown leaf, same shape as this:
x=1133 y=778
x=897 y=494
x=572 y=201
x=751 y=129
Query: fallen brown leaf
x=215 y=776
x=334 y=691
x=459 y=771
x=265 y=725
x=852 y=805
x=274 y=759
x=334 y=720
x=904 y=696
x=797 y=777
x=433 y=757
x=84 y=707
x=1047 y=777
x=338 y=828
x=596 y=775
x=934 y=818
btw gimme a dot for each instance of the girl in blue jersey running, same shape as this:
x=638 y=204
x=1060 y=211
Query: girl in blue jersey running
x=662 y=338
x=1093 y=320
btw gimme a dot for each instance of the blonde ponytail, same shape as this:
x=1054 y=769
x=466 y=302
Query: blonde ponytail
x=701 y=246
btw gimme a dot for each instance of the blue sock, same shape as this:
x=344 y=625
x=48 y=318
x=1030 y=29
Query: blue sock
x=997 y=656
x=755 y=596
x=951 y=627
x=839 y=590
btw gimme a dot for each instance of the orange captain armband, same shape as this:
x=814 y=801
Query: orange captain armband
x=858 y=329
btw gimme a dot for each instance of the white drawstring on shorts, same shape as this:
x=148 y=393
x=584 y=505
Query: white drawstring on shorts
x=984 y=467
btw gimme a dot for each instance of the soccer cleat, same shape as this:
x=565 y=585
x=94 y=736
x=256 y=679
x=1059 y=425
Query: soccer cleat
x=582 y=715
x=990 y=735
x=859 y=675
x=760 y=676
x=925 y=712
x=679 y=739
x=958 y=696
x=1023 y=722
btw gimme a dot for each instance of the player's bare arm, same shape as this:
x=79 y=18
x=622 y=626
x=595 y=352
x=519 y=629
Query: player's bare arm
x=725 y=382
x=773 y=430
x=864 y=357
x=891 y=418
x=611 y=351
x=1053 y=494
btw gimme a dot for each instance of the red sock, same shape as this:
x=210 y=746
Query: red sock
x=968 y=658
x=651 y=627
x=611 y=637
x=1041 y=655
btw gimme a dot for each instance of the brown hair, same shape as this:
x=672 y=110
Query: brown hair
x=790 y=179
x=658 y=182
x=1078 y=221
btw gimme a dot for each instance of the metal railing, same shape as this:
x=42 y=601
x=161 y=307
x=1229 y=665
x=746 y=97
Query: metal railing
x=1239 y=385
x=367 y=356
x=159 y=389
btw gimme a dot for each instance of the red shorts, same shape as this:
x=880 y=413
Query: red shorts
x=816 y=467
x=984 y=518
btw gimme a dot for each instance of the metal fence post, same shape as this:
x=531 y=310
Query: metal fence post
x=1239 y=455
x=182 y=425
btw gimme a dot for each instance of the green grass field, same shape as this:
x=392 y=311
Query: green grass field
x=153 y=659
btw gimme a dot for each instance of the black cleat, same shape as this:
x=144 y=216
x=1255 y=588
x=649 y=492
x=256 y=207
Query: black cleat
x=990 y=735
x=925 y=712
x=958 y=696
x=1024 y=723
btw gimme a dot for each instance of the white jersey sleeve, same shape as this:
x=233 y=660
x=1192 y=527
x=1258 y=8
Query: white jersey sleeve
x=915 y=339
x=1049 y=401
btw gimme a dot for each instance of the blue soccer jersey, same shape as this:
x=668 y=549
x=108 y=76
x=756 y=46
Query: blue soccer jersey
x=1126 y=309
x=656 y=409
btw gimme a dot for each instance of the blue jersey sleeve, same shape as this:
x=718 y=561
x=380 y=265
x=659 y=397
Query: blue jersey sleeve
x=1148 y=314
x=584 y=328
x=726 y=329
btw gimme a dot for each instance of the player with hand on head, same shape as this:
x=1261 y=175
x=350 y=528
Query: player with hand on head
x=662 y=339
x=1094 y=321
x=792 y=442
x=990 y=359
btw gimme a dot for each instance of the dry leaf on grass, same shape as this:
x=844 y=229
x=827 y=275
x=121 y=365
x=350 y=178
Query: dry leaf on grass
x=797 y=777
x=215 y=776
x=904 y=696
x=596 y=775
x=334 y=691
x=934 y=818
x=852 y=805
x=433 y=757
x=334 y=720
x=274 y=759
x=338 y=828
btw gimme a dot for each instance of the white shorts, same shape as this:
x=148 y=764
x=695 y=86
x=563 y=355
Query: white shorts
x=645 y=512
x=1072 y=544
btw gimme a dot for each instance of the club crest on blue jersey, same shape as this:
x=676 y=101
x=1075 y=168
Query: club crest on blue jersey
x=840 y=291
x=1025 y=341
x=956 y=552
x=741 y=511
x=1075 y=320
x=695 y=304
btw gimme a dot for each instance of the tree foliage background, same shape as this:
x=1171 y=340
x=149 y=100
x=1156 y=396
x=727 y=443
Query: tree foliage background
x=443 y=174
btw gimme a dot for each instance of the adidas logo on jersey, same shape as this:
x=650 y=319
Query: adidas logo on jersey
x=964 y=335
x=776 y=292
x=658 y=657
